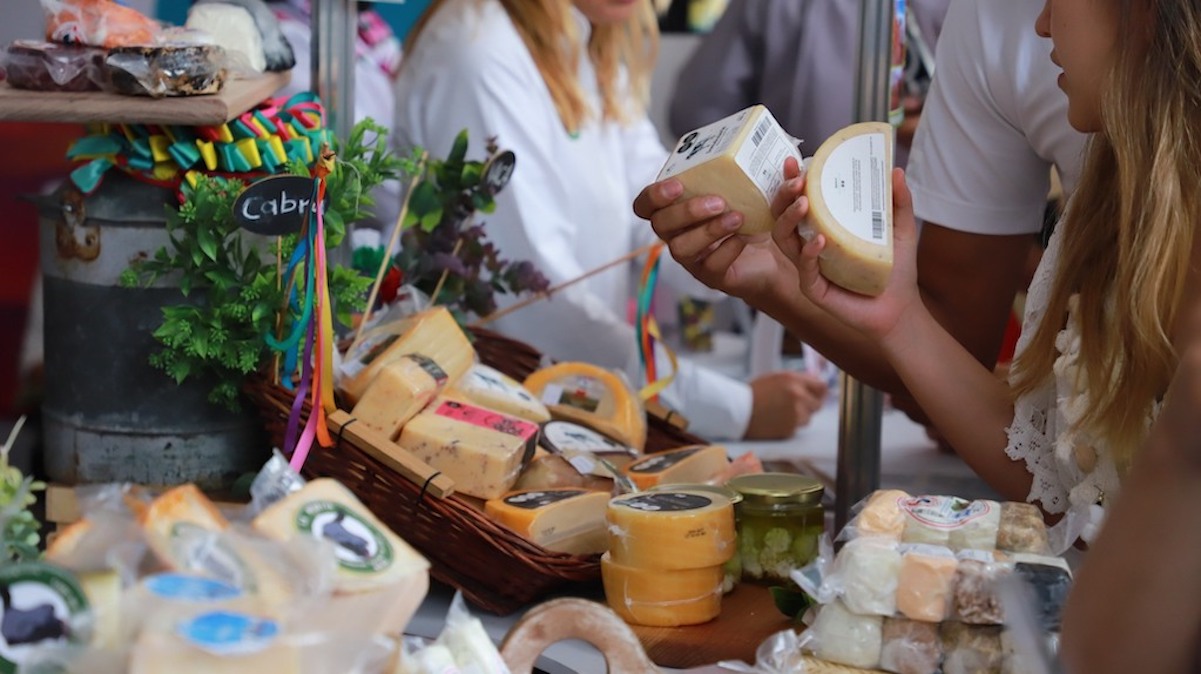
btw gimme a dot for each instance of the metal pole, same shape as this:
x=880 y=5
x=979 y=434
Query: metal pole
x=335 y=32
x=860 y=406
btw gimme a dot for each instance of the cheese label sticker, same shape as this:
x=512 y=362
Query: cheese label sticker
x=562 y=436
x=944 y=512
x=703 y=144
x=583 y=393
x=430 y=366
x=39 y=605
x=762 y=156
x=184 y=587
x=533 y=500
x=478 y=416
x=226 y=633
x=661 y=462
x=854 y=184
x=667 y=501
x=358 y=545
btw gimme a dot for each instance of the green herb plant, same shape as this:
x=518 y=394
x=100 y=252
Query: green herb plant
x=19 y=529
x=444 y=249
x=232 y=288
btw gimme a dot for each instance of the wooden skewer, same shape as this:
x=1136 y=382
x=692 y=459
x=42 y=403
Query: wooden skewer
x=383 y=265
x=538 y=297
x=445 y=273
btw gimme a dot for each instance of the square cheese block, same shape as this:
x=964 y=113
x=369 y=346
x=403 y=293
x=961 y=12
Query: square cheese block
x=488 y=387
x=561 y=520
x=482 y=450
x=882 y=515
x=591 y=396
x=910 y=647
x=951 y=522
x=175 y=512
x=925 y=583
x=401 y=389
x=215 y=643
x=695 y=464
x=849 y=186
x=433 y=333
x=1022 y=529
x=869 y=568
x=369 y=555
x=847 y=638
x=740 y=158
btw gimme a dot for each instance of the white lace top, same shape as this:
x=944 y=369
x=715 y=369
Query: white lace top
x=1073 y=470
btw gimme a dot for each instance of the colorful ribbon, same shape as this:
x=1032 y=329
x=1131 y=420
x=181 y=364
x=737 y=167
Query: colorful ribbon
x=647 y=331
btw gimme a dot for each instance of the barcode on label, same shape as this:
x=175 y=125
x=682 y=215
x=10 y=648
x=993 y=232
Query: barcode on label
x=760 y=132
x=877 y=225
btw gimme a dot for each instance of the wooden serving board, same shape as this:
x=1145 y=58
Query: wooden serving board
x=748 y=617
x=236 y=97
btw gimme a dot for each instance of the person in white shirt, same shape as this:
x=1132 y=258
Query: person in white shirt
x=556 y=82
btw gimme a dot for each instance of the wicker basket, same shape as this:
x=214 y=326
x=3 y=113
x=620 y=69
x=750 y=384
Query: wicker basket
x=495 y=568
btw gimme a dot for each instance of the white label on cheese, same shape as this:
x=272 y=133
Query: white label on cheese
x=762 y=155
x=853 y=186
x=704 y=144
x=564 y=436
x=944 y=512
x=358 y=546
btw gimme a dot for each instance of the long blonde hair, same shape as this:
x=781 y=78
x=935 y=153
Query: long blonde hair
x=623 y=56
x=1127 y=237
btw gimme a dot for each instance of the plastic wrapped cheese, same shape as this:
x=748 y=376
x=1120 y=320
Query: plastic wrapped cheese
x=1050 y=580
x=882 y=515
x=1021 y=529
x=910 y=647
x=847 y=638
x=951 y=522
x=671 y=530
x=925 y=582
x=970 y=649
x=662 y=598
x=977 y=581
x=869 y=569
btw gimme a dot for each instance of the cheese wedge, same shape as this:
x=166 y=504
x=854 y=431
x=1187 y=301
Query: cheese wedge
x=698 y=463
x=215 y=643
x=401 y=389
x=488 y=387
x=561 y=520
x=671 y=530
x=433 y=333
x=591 y=396
x=849 y=186
x=179 y=509
x=741 y=158
x=482 y=450
x=662 y=598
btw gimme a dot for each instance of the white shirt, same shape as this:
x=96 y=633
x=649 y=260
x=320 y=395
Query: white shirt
x=994 y=123
x=567 y=208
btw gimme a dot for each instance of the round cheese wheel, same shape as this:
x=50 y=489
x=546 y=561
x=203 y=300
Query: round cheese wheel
x=671 y=530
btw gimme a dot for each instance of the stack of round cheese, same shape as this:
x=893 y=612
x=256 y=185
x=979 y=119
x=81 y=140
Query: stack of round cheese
x=666 y=551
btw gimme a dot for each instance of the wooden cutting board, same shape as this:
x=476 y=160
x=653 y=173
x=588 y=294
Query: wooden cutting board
x=748 y=617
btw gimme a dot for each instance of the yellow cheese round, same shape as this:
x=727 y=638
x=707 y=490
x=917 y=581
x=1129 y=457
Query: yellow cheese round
x=671 y=530
x=593 y=396
x=849 y=186
x=662 y=598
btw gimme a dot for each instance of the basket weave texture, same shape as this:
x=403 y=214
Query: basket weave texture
x=494 y=567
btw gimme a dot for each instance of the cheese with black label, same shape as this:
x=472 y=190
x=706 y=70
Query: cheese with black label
x=671 y=530
x=488 y=387
x=740 y=158
x=401 y=389
x=482 y=450
x=849 y=185
x=562 y=520
x=433 y=333
x=696 y=464
x=592 y=396
x=591 y=453
x=40 y=604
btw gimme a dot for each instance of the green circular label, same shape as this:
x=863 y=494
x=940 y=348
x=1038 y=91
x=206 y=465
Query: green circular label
x=358 y=545
x=38 y=606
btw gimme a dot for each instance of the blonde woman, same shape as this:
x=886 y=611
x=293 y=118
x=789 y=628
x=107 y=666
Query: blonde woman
x=564 y=85
x=1098 y=345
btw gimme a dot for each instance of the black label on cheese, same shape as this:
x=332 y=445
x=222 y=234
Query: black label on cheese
x=430 y=366
x=40 y=604
x=533 y=500
x=562 y=436
x=661 y=462
x=374 y=350
x=665 y=502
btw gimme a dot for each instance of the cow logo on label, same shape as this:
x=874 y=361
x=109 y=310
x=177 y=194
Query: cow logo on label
x=358 y=545
x=38 y=604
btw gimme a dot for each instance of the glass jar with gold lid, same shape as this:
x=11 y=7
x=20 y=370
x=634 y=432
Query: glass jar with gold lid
x=780 y=520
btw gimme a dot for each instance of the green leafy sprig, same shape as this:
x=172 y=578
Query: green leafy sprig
x=231 y=286
x=20 y=531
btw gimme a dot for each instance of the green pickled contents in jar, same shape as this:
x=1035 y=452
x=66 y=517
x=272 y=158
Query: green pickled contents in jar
x=733 y=566
x=779 y=522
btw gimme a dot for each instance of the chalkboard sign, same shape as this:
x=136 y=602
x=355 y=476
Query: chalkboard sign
x=275 y=206
x=497 y=172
